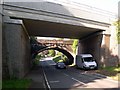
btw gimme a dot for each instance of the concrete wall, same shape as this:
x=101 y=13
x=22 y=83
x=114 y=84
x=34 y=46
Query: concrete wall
x=16 y=50
x=114 y=46
x=109 y=47
x=26 y=53
x=109 y=52
x=0 y=44
x=102 y=47
x=91 y=45
x=119 y=19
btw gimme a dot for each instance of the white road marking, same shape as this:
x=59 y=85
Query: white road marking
x=54 y=81
x=77 y=80
x=73 y=78
x=49 y=88
x=66 y=74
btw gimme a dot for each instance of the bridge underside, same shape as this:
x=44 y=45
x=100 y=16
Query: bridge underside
x=52 y=29
x=89 y=38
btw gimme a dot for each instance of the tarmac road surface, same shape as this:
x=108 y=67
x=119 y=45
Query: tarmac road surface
x=72 y=78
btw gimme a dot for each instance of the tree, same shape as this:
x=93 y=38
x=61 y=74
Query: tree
x=51 y=53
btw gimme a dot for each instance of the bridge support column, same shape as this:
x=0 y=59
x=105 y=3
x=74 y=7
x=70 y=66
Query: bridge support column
x=16 y=49
x=109 y=49
x=91 y=44
x=99 y=46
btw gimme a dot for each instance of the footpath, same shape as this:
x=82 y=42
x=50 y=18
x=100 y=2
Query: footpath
x=37 y=77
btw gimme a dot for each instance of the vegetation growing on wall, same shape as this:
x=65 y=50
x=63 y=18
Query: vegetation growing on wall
x=117 y=24
x=74 y=46
x=37 y=59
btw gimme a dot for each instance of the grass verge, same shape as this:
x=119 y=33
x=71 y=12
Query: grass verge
x=16 y=83
x=112 y=72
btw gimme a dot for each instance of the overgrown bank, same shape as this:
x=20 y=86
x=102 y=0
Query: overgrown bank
x=112 y=72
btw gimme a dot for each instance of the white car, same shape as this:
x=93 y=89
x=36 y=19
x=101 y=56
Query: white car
x=60 y=65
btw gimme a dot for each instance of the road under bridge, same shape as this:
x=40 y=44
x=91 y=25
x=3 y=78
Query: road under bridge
x=48 y=19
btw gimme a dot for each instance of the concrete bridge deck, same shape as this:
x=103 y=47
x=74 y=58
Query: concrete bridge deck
x=62 y=20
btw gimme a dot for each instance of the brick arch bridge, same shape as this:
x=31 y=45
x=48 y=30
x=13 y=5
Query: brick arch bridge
x=70 y=59
x=62 y=46
x=65 y=44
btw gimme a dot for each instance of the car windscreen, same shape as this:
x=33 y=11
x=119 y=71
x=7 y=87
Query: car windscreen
x=88 y=59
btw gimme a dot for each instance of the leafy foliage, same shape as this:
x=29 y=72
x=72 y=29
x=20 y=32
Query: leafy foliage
x=60 y=57
x=51 y=53
x=57 y=58
x=74 y=46
x=117 y=24
x=112 y=72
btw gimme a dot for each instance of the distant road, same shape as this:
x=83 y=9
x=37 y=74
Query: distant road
x=72 y=78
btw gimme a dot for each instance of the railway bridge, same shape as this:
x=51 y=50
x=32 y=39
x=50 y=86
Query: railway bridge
x=20 y=20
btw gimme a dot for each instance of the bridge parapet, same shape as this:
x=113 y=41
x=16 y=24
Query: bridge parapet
x=66 y=42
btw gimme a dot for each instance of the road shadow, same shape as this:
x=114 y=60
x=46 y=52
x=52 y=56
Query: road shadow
x=82 y=78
